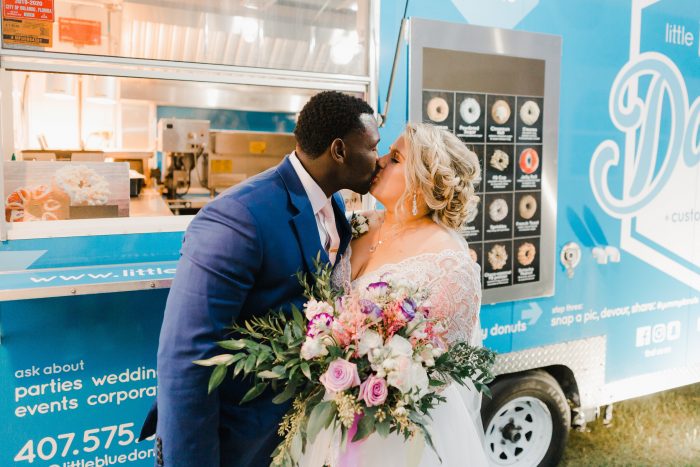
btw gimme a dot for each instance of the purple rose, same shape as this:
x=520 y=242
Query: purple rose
x=373 y=391
x=408 y=308
x=340 y=375
x=370 y=308
x=319 y=324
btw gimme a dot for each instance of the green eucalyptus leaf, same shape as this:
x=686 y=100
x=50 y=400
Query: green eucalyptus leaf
x=223 y=359
x=365 y=427
x=232 y=344
x=321 y=416
x=383 y=427
x=285 y=395
x=306 y=370
x=249 y=364
x=217 y=376
x=267 y=374
x=239 y=366
x=262 y=357
x=298 y=317
x=429 y=441
x=253 y=392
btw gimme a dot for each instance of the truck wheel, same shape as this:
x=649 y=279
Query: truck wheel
x=527 y=420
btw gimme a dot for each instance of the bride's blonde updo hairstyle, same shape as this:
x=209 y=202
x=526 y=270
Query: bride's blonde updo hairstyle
x=443 y=171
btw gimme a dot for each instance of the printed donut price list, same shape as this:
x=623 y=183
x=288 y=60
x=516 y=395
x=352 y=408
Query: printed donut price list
x=505 y=131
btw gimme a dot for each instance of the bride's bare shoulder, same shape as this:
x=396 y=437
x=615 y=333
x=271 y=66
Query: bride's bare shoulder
x=437 y=238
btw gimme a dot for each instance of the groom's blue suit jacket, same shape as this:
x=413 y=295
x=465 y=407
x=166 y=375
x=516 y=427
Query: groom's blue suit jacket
x=239 y=258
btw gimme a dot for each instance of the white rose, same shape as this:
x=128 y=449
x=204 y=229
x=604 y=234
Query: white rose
x=312 y=348
x=409 y=377
x=312 y=308
x=419 y=380
x=370 y=341
x=400 y=346
x=437 y=351
x=400 y=375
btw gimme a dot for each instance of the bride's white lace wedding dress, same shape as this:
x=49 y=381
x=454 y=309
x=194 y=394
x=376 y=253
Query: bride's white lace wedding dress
x=454 y=283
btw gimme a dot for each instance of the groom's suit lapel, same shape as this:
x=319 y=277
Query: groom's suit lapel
x=304 y=221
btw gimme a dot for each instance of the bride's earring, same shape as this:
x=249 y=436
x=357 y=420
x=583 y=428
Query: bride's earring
x=414 y=210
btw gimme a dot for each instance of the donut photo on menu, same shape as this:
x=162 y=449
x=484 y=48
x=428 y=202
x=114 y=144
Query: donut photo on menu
x=528 y=167
x=438 y=108
x=529 y=161
x=500 y=119
x=498 y=264
x=470 y=110
x=498 y=210
x=499 y=168
x=529 y=119
x=498 y=256
x=526 y=253
x=471 y=117
x=527 y=260
x=527 y=213
x=498 y=214
x=500 y=112
x=529 y=112
x=499 y=160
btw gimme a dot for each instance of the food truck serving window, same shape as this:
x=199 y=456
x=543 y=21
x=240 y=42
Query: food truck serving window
x=311 y=35
x=103 y=147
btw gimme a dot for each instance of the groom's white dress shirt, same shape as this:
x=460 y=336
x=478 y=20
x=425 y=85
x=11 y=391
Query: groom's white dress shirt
x=322 y=207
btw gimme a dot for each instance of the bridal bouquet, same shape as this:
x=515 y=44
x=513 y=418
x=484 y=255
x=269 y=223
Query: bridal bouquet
x=355 y=363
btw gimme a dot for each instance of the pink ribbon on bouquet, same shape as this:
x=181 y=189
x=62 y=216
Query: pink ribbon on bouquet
x=351 y=456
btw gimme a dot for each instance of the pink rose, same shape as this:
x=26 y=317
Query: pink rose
x=373 y=391
x=340 y=375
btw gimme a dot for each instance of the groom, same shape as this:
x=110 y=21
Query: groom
x=238 y=260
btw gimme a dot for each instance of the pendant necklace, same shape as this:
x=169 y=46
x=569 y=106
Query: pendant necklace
x=373 y=248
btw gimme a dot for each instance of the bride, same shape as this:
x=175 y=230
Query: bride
x=426 y=184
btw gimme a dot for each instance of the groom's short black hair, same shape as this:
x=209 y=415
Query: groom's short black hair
x=328 y=115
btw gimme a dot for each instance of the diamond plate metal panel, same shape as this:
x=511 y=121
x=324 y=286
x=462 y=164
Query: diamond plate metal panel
x=585 y=358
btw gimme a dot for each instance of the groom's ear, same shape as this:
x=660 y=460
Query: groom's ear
x=338 y=150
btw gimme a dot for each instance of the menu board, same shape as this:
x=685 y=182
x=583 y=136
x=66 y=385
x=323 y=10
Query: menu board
x=505 y=132
x=501 y=100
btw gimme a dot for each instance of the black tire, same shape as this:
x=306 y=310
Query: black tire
x=536 y=384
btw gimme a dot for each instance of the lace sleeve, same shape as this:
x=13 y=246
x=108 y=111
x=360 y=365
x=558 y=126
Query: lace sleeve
x=340 y=278
x=455 y=294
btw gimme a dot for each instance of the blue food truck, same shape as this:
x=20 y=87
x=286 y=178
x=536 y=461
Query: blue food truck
x=585 y=116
